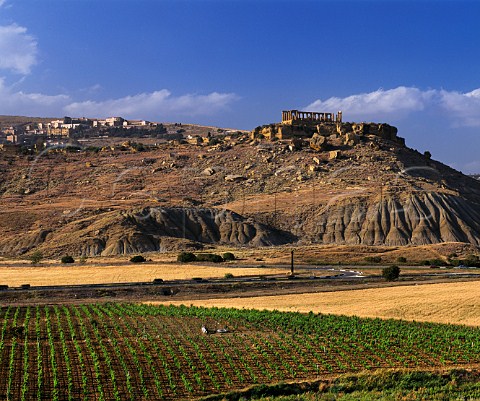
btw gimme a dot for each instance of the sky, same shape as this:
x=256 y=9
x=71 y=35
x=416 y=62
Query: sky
x=239 y=63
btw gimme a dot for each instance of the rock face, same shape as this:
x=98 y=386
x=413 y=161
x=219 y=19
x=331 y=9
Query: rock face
x=424 y=218
x=153 y=229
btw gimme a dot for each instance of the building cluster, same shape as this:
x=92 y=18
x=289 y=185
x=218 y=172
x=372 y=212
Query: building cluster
x=67 y=127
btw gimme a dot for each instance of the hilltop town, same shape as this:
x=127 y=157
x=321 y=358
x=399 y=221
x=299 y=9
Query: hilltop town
x=38 y=133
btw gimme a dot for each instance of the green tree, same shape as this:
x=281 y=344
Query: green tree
x=209 y=257
x=67 y=259
x=228 y=256
x=36 y=257
x=186 y=257
x=137 y=259
x=391 y=273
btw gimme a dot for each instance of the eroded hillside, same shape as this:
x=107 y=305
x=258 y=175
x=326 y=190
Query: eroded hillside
x=239 y=191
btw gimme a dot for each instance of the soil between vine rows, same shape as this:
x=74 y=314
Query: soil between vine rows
x=142 y=352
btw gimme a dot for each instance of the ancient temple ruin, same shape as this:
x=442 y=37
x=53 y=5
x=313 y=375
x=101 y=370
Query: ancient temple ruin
x=292 y=117
x=308 y=125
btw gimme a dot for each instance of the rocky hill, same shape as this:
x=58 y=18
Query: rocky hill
x=354 y=188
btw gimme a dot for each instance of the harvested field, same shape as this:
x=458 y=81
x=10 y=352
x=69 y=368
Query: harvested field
x=87 y=274
x=456 y=303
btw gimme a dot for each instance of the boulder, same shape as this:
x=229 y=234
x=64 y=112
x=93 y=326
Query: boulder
x=343 y=128
x=351 y=139
x=318 y=142
x=268 y=132
x=360 y=129
x=208 y=171
x=333 y=154
x=297 y=143
x=387 y=131
x=325 y=129
x=234 y=178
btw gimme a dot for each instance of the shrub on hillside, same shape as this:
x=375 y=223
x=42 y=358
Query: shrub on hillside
x=472 y=261
x=391 y=273
x=401 y=259
x=438 y=262
x=228 y=256
x=138 y=146
x=137 y=259
x=209 y=257
x=67 y=259
x=373 y=259
x=36 y=257
x=456 y=262
x=186 y=257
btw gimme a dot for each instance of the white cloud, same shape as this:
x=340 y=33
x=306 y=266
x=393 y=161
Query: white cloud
x=398 y=101
x=154 y=105
x=18 y=49
x=30 y=104
x=91 y=89
x=465 y=107
x=462 y=109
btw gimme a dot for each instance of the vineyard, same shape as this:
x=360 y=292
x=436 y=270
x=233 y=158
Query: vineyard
x=142 y=352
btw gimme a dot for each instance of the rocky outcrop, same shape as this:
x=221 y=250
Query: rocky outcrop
x=318 y=133
x=421 y=218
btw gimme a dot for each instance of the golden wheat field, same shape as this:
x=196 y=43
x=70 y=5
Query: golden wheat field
x=457 y=303
x=87 y=274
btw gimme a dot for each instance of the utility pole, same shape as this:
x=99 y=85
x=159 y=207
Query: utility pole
x=291 y=263
x=314 y=195
x=243 y=201
x=275 y=208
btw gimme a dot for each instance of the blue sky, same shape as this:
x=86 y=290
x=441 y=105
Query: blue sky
x=413 y=64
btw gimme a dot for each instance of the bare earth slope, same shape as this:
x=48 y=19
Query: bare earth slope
x=116 y=200
x=415 y=218
x=159 y=229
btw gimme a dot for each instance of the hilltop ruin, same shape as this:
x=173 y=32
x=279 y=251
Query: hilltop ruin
x=309 y=125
